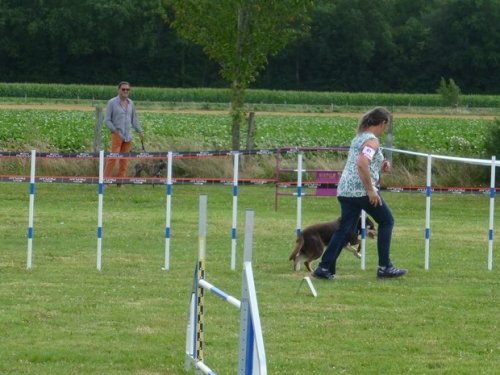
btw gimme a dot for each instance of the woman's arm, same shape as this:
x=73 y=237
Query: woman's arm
x=368 y=150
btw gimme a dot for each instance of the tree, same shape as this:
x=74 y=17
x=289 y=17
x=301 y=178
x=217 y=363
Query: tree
x=351 y=48
x=450 y=92
x=465 y=43
x=240 y=35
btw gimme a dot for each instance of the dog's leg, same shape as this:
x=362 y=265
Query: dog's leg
x=296 y=256
x=296 y=263
x=315 y=248
x=307 y=263
x=312 y=258
x=352 y=242
x=355 y=251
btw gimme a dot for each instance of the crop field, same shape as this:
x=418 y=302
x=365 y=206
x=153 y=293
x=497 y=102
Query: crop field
x=22 y=92
x=73 y=131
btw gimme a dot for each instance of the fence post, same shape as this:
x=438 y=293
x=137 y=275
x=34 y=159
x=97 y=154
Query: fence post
x=388 y=142
x=251 y=130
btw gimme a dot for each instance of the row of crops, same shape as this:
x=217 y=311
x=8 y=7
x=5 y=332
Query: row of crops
x=208 y=95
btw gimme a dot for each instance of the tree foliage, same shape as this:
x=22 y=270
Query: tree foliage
x=465 y=42
x=450 y=92
x=240 y=35
x=404 y=45
x=353 y=45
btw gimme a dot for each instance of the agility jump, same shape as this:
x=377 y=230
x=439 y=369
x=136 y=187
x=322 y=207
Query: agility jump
x=252 y=357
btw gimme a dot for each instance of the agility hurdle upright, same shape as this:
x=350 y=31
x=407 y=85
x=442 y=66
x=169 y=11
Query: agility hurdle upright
x=252 y=357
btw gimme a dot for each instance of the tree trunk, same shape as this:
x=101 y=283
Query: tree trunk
x=235 y=135
x=97 y=143
x=238 y=86
x=237 y=104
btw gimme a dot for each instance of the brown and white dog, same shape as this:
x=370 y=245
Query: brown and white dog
x=312 y=241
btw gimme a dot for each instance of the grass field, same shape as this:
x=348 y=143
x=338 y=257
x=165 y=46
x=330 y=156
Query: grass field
x=65 y=317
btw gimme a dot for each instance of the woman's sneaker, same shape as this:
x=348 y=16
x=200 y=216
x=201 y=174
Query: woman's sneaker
x=322 y=273
x=390 y=272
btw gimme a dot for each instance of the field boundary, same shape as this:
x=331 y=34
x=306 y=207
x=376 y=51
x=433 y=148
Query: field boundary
x=349 y=114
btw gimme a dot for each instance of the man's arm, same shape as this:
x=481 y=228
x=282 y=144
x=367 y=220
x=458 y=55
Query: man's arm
x=109 y=116
x=136 y=123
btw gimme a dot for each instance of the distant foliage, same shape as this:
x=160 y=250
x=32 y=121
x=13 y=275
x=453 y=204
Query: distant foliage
x=449 y=92
x=353 y=45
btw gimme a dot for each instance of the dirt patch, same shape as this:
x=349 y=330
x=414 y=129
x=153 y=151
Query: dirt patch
x=55 y=107
x=88 y=108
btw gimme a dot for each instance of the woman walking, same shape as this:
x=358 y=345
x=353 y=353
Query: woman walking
x=357 y=191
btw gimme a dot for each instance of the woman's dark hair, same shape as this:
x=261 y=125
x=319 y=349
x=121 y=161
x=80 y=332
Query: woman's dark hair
x=374 y=117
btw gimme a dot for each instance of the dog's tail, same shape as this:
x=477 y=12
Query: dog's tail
x=298 y=246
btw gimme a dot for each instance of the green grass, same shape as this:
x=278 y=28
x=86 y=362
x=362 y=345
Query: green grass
x=65 y=317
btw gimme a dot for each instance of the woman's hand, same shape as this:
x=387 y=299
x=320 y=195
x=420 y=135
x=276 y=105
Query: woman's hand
x=374 y=198
x=386 y=166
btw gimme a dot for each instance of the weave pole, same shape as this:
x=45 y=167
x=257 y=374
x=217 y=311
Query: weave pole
x=299 y=193
x=492 y=214
x=99 y=210
x=428 y=212
x=29 y=261
x=493 y=163
x=235 y=210
x=363 y=240
x=168 y=210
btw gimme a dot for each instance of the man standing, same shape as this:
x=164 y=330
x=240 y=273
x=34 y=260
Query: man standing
x=120 y=118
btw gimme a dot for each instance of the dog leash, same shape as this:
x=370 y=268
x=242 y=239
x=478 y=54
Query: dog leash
x=142 y=143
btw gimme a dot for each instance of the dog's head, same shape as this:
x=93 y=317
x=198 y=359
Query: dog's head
x=371 y=230
x=159 y=167
x=138 y=168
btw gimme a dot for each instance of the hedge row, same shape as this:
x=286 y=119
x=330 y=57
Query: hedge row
x=208 y=95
